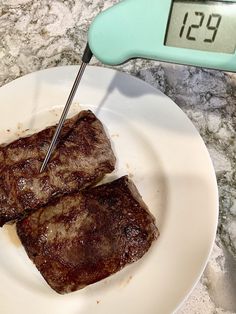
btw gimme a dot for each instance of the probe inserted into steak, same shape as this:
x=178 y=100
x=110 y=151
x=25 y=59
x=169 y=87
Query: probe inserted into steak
x=84 y=237
x=82 y=157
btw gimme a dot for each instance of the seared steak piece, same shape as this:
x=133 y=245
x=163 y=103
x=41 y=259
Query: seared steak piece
x=83 y=156
x=84 y=237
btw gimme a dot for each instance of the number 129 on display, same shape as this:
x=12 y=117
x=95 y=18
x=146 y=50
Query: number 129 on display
x=202 y=26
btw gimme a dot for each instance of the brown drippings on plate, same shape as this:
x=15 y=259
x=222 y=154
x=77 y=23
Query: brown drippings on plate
x=130 y=175
x=10 y=230
x=98 y=301
x=20 y=126
x=115 y=135
x=126 y=281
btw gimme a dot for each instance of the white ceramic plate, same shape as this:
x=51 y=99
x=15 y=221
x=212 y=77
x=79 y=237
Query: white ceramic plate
x=161 y=150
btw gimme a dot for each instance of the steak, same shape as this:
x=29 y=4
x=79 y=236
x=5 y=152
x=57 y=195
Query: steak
x=82 y=157
x=84 y=237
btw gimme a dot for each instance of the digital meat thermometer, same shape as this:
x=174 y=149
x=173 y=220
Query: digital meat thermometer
x=200 y=33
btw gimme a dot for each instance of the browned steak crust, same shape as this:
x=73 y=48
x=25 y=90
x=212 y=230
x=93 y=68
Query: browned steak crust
x=83 y=156
x=87 y=236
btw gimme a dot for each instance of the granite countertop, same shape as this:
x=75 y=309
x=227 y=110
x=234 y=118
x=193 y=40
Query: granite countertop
x=40 y=34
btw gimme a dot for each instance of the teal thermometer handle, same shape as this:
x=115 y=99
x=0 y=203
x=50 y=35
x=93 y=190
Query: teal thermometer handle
x=137 y=29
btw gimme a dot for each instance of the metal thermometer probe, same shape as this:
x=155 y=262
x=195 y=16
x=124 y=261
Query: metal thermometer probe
x=85 y=60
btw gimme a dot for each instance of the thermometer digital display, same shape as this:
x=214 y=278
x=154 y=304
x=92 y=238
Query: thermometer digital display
x=192 y=32
x=202 y=25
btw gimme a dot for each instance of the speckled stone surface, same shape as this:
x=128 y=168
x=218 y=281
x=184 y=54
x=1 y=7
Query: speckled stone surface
x=40 y=34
